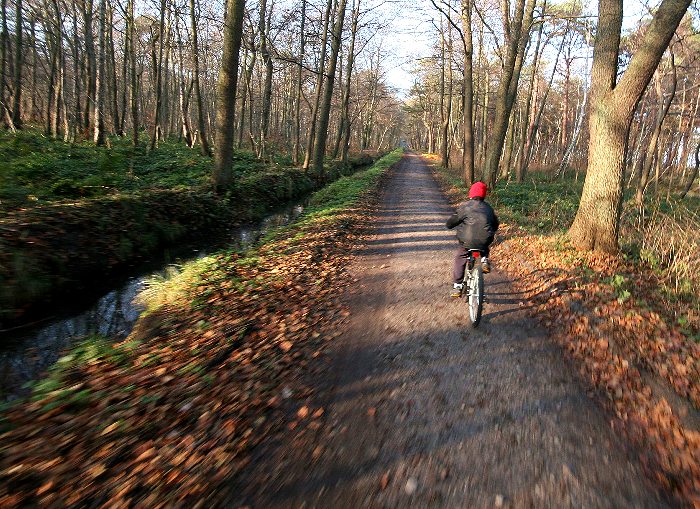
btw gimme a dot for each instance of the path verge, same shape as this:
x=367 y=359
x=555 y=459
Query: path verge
x=170 y=415
x=644 y=370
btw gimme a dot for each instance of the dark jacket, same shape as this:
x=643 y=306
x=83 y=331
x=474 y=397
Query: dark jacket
x=476 y=223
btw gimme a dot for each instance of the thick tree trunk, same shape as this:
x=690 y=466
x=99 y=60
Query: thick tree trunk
x=325 y=109
x=228 y=79
x=597 y=221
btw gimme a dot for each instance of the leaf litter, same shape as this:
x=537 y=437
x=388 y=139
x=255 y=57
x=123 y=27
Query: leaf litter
x=199 y=383
x=624 y=343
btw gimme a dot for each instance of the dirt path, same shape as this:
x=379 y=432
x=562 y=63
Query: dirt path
x=423 y=411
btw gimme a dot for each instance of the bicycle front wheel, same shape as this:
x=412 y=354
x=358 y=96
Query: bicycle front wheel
x=476 y=294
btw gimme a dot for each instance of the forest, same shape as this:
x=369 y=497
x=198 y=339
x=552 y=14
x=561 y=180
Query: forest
x=331 y=136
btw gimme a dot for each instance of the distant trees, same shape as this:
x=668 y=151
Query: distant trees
x=531 y=101
x=91 y=69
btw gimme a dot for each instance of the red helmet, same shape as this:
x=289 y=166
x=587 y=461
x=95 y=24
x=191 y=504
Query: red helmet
x=478 y=190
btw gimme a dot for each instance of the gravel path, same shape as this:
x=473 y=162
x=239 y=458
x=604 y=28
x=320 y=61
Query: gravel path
x=423 y=411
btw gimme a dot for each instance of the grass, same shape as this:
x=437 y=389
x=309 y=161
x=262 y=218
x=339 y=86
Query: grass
x=196 y=280
x=664 y=240
x=39 y=170
x=76 y=211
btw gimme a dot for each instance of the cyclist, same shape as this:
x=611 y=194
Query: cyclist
x=476 y=225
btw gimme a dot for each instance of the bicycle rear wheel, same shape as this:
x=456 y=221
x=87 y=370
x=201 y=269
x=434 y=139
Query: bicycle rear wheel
x=475 y=295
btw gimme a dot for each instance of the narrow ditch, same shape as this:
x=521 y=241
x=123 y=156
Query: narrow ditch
x=27 y=352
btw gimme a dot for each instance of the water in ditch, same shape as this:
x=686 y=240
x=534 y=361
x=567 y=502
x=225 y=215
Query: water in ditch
x=26 y=353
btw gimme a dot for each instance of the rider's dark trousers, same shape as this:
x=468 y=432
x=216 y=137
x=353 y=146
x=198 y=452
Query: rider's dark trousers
x=460 y=262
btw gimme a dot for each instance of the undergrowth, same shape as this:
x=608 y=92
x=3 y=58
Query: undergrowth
x=662 y=239
x=38 y=170
x=189 y=280
x=76 y=211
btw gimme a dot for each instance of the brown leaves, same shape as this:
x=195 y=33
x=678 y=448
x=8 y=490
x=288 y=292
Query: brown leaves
x=613 y=340
x=175 y=420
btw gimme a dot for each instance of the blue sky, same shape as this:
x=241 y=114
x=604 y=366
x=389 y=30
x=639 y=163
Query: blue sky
x=413 y=33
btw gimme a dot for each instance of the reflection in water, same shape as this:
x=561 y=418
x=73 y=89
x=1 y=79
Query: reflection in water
x=26 y=354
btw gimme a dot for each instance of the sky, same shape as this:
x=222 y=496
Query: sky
x=413 y=35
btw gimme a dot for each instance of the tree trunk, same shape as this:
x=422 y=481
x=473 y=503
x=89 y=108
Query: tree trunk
x=652 y=147
x=17 y=83
x=297 y=93
x=203 y=140
x=597 y=221
x=77 y=91
x=444 y=119
x=101 y=82
x=346 y=125
x=319 y=87
x=113 y=71
x=159 y=77
x=468 y=96
x=247 y=93
x=35 y=65
x=4 y=107
x=508 y=149
x=517 y=37
x=125 y=74
x=694 y=174
x=325 y=109
x=526 y=140
x=226 y=87
x=184 y=91
x=91 y=64
x=535 y=125
x=263 y=30
x=133 y=89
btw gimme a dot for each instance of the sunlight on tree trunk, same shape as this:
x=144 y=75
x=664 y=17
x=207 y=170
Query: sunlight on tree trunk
x=597 y=221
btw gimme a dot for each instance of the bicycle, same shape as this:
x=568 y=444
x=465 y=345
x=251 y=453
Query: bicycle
x=473 y=286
